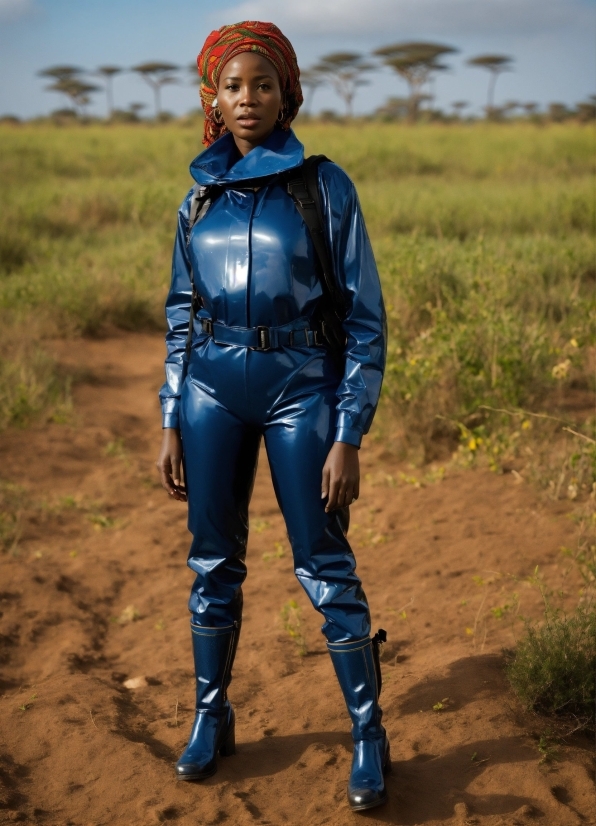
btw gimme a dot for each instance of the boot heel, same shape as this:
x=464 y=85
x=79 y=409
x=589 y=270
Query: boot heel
x=228 y=747
x=387 y=760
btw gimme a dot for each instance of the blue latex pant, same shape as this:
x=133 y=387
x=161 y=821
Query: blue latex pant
x=233 y=396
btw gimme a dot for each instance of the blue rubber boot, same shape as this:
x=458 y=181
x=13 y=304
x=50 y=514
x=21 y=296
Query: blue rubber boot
x=213 y=730
x=357 y=667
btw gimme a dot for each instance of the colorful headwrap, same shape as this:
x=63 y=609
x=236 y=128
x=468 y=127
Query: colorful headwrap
x=249 y=36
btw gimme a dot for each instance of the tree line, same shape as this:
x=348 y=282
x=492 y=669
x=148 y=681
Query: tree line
x=72 y=82
x=416 y=63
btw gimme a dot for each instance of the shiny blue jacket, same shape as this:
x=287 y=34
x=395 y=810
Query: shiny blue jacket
x=253 y=263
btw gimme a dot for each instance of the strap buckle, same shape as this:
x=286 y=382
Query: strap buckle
x=302 y=196
x=263 y=339
x=307 y=333
x=207 y=325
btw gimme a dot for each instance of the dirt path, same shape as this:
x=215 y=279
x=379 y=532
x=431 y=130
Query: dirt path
x=94 y=593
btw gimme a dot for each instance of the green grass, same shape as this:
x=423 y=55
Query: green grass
x=484 y=236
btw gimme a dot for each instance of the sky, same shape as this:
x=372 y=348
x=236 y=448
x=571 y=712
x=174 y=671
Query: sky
x=553 y=43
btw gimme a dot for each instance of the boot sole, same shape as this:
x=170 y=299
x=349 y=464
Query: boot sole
x=200 y=776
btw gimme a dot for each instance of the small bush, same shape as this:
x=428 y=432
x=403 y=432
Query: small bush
x=553 y=669
x=31 y=382
x=291 y=617
x=11 y=502
x=14 y=252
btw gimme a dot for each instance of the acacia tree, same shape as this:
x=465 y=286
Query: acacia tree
x=586 y=110
x=68 y=82
x=510 y=107
x=344 y=71
x=157 y=75
x=458 y=107
x=416 y=63
x=394 y=108
x=60 y=74
x=311 y=80
x=530 y=108
x=108 y=72
x=78 y=91
x=495 y=64
x=558 y=112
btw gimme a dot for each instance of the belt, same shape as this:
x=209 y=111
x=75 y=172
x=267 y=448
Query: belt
x=297 y=333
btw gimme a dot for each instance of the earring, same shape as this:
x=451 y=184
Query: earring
x=217 y=116
x=281 y=116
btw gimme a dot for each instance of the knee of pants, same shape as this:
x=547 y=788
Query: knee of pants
x=217 y=589
x=220 y=608
x=342 y=603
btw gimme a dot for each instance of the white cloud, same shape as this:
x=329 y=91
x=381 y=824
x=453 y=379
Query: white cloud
x=12 y=9
x=392 y=18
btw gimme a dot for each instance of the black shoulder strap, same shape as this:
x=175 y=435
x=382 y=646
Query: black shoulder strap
x=303 y=186
x=201 y=199
x=199 y=204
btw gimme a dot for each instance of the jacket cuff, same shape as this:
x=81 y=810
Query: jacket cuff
x=349 y=435
x=170 y=420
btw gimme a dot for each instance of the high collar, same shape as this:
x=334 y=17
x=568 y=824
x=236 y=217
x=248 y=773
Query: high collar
x=219 y=163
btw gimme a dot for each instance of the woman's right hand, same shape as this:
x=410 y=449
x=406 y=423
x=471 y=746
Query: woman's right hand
x=169 y=463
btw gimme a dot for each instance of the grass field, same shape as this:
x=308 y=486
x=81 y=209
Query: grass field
x=484 y=235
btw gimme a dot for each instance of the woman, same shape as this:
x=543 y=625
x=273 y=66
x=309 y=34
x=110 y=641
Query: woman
x=252 y=263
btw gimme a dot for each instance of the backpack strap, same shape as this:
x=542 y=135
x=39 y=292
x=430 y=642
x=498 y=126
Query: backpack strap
x=200 y=202
x=303 y=187
x=201 y=199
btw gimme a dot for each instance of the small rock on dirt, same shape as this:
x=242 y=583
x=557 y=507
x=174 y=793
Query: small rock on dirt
x=526 y=811
x=136 y=682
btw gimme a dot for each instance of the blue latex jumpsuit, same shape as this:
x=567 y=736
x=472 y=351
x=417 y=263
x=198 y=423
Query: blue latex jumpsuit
x=253 y=264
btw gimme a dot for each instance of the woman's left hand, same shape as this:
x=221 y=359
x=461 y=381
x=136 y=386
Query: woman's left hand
x=341 y=476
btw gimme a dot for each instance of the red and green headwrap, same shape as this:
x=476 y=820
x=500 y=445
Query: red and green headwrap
x=249 y=36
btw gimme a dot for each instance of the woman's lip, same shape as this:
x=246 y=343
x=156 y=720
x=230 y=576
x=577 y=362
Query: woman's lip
x=248 y=119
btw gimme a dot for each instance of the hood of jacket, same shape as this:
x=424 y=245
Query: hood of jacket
x=219 y=163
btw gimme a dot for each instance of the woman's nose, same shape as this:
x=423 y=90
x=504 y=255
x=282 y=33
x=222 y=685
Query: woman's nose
x=247 y=96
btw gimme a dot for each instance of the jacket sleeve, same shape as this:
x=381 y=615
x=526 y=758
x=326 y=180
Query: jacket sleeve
x=178 y=319
x=365 y=322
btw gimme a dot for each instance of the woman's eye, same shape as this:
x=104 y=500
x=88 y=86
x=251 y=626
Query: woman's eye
x=264 y=86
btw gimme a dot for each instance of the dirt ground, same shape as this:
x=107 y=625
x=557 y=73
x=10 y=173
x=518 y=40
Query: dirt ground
x=94 y=592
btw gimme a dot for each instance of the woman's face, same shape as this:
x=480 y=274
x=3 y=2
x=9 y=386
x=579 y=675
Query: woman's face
x=249 y=98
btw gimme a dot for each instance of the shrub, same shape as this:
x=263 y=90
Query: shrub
x=30 y=379
x=291 y=617
x=11 y=503
x=553 y=669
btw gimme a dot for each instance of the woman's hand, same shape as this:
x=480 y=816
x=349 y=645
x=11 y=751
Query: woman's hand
x=341 y=476
x=169 y=464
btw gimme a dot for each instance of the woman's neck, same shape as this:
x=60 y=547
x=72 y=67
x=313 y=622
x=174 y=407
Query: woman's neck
x=245 y=146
